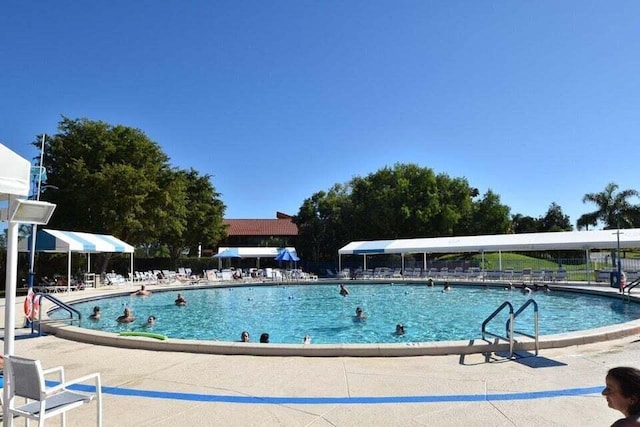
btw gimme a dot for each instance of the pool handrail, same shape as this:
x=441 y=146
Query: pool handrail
x=630 y=286
x=535 y=323
x=66 y=307
x=509 y=334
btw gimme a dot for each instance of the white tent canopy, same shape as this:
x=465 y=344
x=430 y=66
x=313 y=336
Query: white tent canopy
x=567 y=240
x=258 y=252
x=15 y=173
x=250 y=252
x=73 y=241
x=564 y=240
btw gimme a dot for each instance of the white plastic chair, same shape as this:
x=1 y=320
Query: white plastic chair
x=26 y=379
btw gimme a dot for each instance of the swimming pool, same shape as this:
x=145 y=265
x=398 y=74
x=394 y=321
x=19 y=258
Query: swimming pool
x=288 y=313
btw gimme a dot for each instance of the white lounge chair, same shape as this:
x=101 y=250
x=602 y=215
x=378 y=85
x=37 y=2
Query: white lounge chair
x=26 y=379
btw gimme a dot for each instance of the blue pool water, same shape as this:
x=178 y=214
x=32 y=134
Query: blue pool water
x=288 y=313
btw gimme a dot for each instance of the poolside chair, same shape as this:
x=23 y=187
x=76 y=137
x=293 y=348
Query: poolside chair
x=560 y=276
x=26 y=379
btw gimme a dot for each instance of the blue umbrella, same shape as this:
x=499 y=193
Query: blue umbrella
x=228 y=253
x=286 y=255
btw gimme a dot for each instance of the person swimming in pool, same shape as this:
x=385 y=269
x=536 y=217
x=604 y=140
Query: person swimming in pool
x=244 y=336
x=344 y=291
x=127 y=317
x=181 y=300
x=142 y=292
x=360 y=314
x=446 y=287
x=306 y=339
x=96 y=313
x=151 y=320
x=399 y=329
x=264 y=338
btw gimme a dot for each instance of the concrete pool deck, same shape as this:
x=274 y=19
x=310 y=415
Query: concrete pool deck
x=560 y=387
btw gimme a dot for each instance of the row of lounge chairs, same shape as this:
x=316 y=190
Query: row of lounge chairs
x=259 y=274
x=457 y=273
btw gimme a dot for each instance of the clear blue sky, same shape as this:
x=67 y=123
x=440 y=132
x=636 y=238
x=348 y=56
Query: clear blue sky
x=537 y=101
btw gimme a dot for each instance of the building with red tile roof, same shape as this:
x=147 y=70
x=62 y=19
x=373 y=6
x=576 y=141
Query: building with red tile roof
x=260 y=232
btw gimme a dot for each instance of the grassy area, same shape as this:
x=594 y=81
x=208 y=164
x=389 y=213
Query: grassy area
x=517 y=262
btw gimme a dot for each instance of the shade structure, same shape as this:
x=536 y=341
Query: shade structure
x=59 y=241
x=14 y=182
x=286 y=255
x=74 y=241
x=15 y=174
x=228 y=253
x=258 y=252
x=567 y=240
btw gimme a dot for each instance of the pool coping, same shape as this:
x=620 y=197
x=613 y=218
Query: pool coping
x=477 y=345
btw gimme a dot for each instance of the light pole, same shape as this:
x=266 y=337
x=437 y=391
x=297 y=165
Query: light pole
x=36 y=173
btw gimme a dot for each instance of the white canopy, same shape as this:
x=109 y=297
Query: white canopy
x=75 y=241
x=248 y=252
x=567 y=240
x=15 y=173
x=258 y=252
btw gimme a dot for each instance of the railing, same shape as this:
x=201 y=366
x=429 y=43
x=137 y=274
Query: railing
x=61 y=305
x=509 y=335
x=631 y=286
x=510 y=331
x=510 y=327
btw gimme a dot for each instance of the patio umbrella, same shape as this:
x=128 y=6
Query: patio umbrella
x=229 y=253
x=287 y=255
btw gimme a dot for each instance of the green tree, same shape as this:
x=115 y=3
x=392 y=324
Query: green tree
x=198 y=214
x=613 y=208
x=407 y=201
x=524 y=224
x=113 y=180
x=555 y=220
x=323 y=223
x=489 y=216
x=402 y=201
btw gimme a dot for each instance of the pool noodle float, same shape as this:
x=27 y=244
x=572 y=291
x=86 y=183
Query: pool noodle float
x=143 y=334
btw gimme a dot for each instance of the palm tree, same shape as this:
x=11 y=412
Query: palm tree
x=614 y=209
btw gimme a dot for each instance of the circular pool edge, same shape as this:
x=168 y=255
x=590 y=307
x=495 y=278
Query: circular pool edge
x=473 y=346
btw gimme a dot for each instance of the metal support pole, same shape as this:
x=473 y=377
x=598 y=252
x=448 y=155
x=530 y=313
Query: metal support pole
x=10 y=310
x=34 y=227
x=620 y=288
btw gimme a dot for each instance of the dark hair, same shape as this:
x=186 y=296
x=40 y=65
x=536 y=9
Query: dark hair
x=96 y=308
x=264 y=337
x=629 y=381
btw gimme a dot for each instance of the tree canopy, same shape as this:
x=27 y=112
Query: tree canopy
x=115 y=180
x=614 y=210
x=403 y=201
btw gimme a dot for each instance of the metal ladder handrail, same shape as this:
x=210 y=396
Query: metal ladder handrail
x=630 y=286
x=509 y=336
x=511 y=326
x=61 y=305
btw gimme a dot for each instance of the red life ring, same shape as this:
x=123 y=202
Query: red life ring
x=31 y=305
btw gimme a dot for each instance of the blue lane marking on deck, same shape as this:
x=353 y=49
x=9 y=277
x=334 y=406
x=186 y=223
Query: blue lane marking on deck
x=364 y=400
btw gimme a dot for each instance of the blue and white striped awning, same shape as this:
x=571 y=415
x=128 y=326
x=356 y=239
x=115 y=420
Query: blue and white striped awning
x=74 y=241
